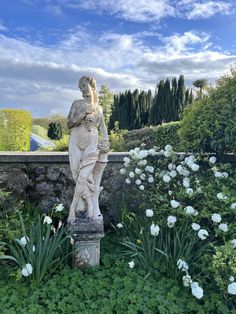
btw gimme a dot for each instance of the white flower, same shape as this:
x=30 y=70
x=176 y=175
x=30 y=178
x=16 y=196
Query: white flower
x=141 y=187
x=218 y=174
x=150 y=179
x=233 y=243
x=190 y=160
x=168 y=148
x=170 y=193
x=138 y=171
x=190 y=210
x=231 y=278
x=223 y=227
x=196 y=290
x=232 y=288
x=53 y=229
x=199 y=190
x=154 y=229
x=233 y=206
x=27 y=270
x=166 y=178
x=195 y=226
x=120 y=225
x=59 y=208
x=143 y=154
x=179 y=169
x=216 y=218
x=24 y=240
x=221 y=196
x=203 y=234
x=185 y=172
x=131 y=264
x=171 y=220
x=225 y=174
x=167 y=154
x=212 y=160
x=152 y=152
x=143 y=176
x=138 y=182
x=33 y=248
x=47 y=220
x=59 y=224
x=171 y=166
x=187 y=280
x=149 y=213
x=173 y=173
x=122 y=170
x=149 y=169
x=128 y=181
x=126 y=165
x=186 y=182
x=182 y=265
x=189 y=191
x=174 y=203
x=126 y=160
x=131 y=174
x=72 y=241
x=194 y=167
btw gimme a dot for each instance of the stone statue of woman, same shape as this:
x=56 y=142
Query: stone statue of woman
x=87 y=154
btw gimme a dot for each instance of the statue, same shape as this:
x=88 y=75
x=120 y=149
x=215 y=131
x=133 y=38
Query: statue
x=87 y=154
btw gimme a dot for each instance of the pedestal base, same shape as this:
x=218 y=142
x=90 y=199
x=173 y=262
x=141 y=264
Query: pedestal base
x=87 y=235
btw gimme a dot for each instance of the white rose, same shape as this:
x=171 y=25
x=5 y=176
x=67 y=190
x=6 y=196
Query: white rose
x=149 y=169
x=166 y=178
x=171 y=220
x=126 y=160
x=196 y=290
x=126 y=165
x=232 y=288
x=186 y=182
x=167 y=154
x=143 y=176
x=179 y=169
x=27 y=270
x=150 y=179
x=221 y=196
x=138 y=171
x=233 y=243
x=138 y=182
x=195 y=226
x=131 y=264
x=131 y=174
x=212 y=160
x=141 y=187
x=189 y=191
x=216 y=218
x=171 y=167
x=189 y=210
x=199 y=190
x=187 y=280
x=233 y=206
x=223 y=227
x=47 y=220
x=149 y=213
x=154 y=229
x=173 y=173
x=231 y=278
x=203 y=234
x=122 y=170
x=143 y=154
x=59 y=208
x=152 y=152
x=174 y=203
x=128 y=181
x=218 y=174
x=194 y=167
x=225 y=174
x=120 y=225
x=168 y=148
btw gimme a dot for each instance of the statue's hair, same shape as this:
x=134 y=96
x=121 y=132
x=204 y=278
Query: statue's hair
x=91 y=81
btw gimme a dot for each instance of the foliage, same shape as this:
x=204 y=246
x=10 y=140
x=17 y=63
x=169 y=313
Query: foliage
x=15 y=129
x=201 y=84
x=209 y=125
x=110 y=288
x=106 y=101
x=44 y=122
x=116 y=138
x=192 y=205
x=40 y=131
x=41 y=249
x=167 y=133
x=55 y=131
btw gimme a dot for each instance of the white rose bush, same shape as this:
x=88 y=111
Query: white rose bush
x=42 y=248
x=186 y=216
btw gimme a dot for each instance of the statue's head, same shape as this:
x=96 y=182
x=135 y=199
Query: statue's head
x=88 y=87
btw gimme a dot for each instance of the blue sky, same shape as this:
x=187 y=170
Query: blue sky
x=47 y=45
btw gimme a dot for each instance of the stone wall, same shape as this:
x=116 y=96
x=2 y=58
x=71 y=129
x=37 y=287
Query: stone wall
x=45 y=179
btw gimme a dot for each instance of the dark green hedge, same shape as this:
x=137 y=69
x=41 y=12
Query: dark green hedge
x=15 y=129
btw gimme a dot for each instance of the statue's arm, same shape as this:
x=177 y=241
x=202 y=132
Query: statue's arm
x=103 y=127
x=76 y=114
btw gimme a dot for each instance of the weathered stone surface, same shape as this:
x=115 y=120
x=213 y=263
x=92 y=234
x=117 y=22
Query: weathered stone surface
x=53 y=173
x=17 y=181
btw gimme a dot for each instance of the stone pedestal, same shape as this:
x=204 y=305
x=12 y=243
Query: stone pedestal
x=87 y=234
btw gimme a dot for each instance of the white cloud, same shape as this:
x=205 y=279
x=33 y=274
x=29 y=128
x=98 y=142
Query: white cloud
x=44 y=79
x=2 y=27
x=208 y=9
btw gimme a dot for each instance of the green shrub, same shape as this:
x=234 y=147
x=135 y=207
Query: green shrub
x=15 y=129
x=40 y=131
x=55 y=131
x=136 y=137
x=167 y=133
x=209 y=125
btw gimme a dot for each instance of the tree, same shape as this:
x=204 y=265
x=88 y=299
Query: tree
x=55 y=131
x=106 y=100
x=201 y=84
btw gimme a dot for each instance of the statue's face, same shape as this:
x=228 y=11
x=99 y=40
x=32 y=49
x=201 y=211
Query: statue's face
x=86 y=89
